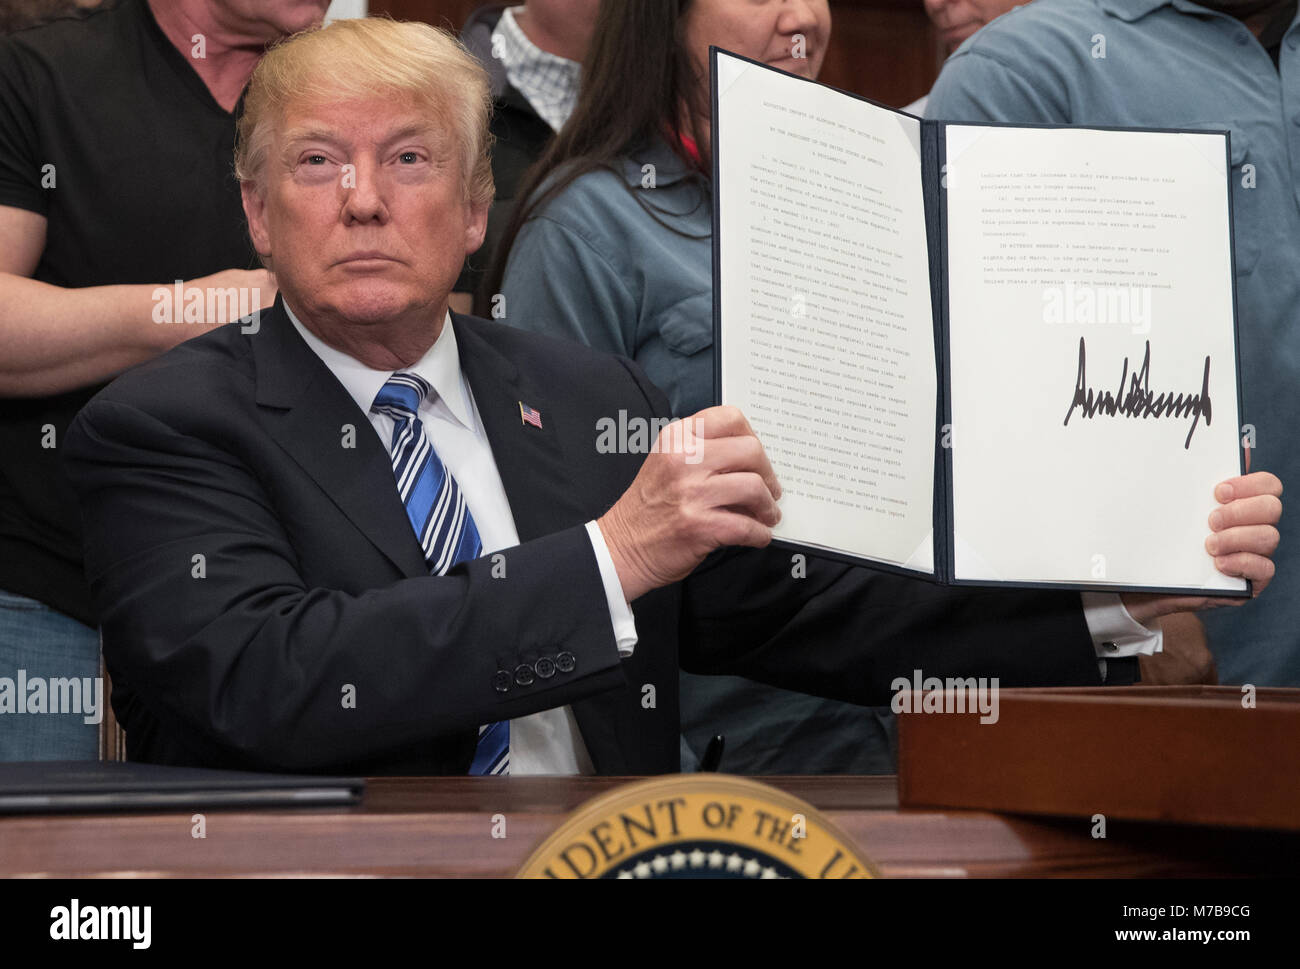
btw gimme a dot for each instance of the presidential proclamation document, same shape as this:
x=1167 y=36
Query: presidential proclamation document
x=826 y=324
x=1092 y=355
x=987 y=354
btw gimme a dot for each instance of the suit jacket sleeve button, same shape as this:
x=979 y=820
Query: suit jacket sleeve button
x=544 y=667
x=566 y=662
x=523 y=674
x=501 y=681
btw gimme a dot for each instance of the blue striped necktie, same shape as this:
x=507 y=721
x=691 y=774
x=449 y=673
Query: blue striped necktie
x=437 y=510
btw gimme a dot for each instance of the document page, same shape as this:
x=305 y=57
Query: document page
x=827 y=337
x=1094 y=395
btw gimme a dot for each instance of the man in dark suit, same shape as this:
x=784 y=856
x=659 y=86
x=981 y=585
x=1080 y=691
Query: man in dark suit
x=357 y=533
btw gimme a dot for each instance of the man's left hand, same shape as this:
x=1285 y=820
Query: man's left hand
x=1243 y=538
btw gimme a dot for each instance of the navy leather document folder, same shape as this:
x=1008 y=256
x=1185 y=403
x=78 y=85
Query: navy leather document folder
x=48 y=786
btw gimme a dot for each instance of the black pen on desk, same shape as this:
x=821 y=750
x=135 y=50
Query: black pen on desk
x=713 y=754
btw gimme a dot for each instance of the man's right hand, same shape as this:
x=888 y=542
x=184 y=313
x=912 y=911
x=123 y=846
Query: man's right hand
x=706 y=484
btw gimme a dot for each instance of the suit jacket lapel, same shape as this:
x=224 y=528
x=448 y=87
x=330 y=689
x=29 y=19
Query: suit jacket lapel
x=305 y=409
x=537 y=481
x=539 y=485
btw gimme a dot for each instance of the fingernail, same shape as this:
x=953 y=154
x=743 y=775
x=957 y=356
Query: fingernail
x=1212 y=544
x=1216 y=520
x=1224 y=492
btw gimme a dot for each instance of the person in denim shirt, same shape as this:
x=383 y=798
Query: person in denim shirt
x=1219 y=64
x=621 y=258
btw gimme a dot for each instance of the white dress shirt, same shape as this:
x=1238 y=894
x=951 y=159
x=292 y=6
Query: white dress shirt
x=1116 y=634
x=543 y=743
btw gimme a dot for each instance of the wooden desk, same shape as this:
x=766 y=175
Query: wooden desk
x=442 y=827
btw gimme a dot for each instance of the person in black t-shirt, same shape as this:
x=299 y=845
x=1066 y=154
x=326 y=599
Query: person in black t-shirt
x=19 y=14
x=116 y=133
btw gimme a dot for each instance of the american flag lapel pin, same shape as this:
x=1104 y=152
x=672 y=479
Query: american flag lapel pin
x=530 y=415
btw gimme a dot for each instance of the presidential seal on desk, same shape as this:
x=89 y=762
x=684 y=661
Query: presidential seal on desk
x=697 y=826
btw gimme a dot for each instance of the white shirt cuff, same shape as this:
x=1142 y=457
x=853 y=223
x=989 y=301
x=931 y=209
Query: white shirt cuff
x=1114 y=632
x=620 y=613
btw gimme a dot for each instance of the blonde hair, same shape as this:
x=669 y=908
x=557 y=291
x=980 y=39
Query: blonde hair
x=369 y=57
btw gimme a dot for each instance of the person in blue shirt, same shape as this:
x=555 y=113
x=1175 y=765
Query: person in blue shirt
x=1220 y=64
x=616 y=252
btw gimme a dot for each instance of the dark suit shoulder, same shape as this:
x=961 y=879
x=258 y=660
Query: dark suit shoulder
x=605 y=378
x=525 y=347
x=209 y=372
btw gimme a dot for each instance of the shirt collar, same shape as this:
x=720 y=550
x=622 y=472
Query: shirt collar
x=668 y=165
x=549 y=82
x=440 y=366
x=1131 y=10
